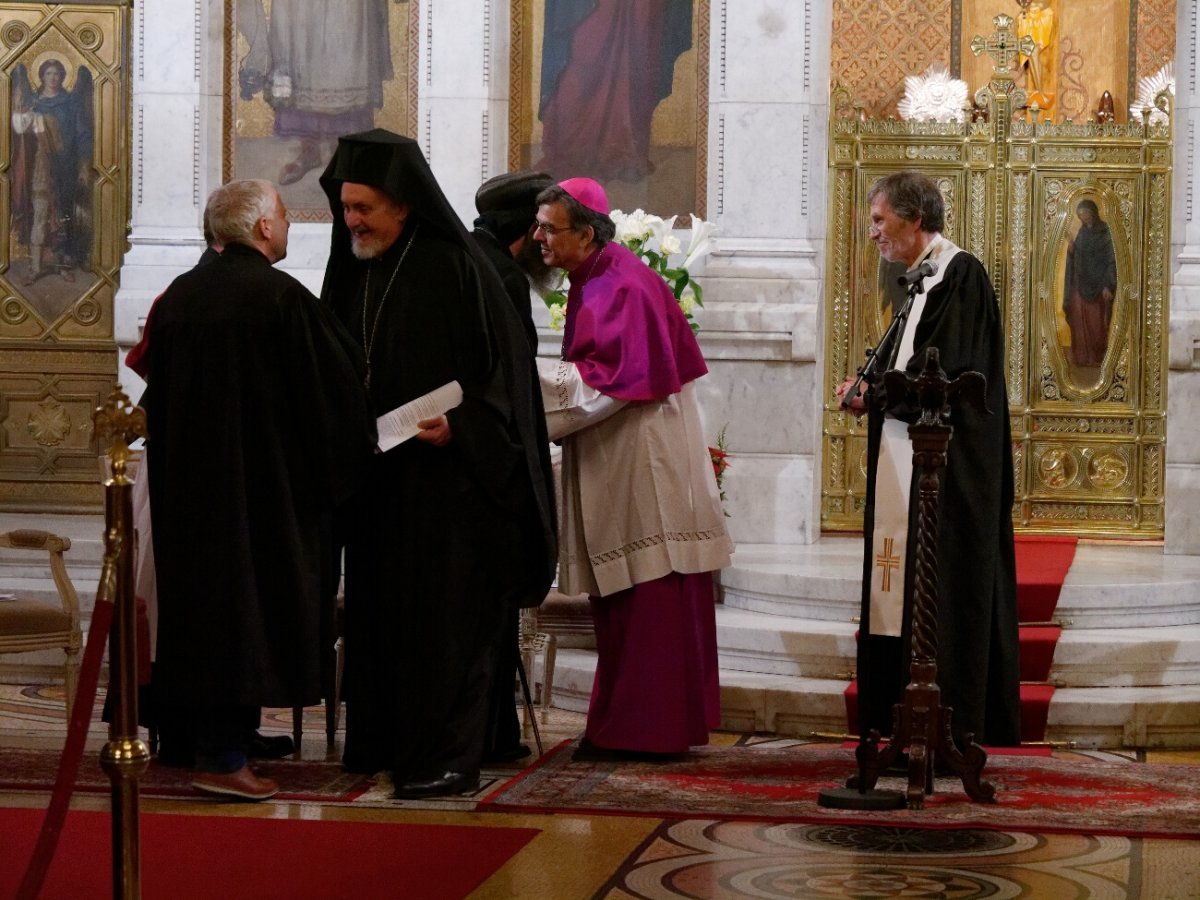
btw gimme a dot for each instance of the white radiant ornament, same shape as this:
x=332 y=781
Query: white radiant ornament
x=934 y=95
x=1150 y=87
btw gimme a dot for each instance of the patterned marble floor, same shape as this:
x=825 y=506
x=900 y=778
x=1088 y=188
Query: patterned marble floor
x=619 y=857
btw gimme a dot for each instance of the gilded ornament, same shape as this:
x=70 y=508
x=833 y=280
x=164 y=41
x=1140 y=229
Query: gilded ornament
x=13 y=311
x=89 y=37
x=1010 y=185
x=1057 y=468
x=1108 y=470
x=14 y=33
x=49 y=423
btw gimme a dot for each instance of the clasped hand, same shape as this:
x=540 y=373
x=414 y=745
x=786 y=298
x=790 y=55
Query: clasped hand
x=856 y=404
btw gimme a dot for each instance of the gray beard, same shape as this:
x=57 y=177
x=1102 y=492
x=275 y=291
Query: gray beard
x=366 y=248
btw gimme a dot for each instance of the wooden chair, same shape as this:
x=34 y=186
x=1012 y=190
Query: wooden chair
x=27 y=625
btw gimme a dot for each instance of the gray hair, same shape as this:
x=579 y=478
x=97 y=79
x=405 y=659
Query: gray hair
x=912 y=196
x=580 y=217
x=233 y=209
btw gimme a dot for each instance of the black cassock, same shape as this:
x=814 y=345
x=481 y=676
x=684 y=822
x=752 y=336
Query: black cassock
x=977 y=613
x=442 y=540
x=258 y=426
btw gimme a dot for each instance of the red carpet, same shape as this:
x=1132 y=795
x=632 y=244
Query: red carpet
x=33 y=770
x=226 y=856
x=774 y=782
x=1042 y=565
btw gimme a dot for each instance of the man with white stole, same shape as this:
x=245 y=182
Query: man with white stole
x=956 y=311
x=642 y=528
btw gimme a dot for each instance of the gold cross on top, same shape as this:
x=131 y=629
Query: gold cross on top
x=1002 y=46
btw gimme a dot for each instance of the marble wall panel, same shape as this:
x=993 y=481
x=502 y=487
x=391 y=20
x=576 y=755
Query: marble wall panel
x=769 y=405
x=769 y=499
x=1183 y=428
x=168 y=189
x=457 y=44
x=1182 y=533
x=755 y=172
x=753 y=43
x=167 y=45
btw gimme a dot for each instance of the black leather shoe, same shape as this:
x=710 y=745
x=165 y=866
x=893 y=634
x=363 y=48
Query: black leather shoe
x=262 y=746
x=445 y=785
x=507 y=754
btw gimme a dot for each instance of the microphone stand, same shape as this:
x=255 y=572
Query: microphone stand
x=863 y=794
x=867 y=369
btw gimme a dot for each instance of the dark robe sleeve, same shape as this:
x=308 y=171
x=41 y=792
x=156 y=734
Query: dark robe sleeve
x=326 y=374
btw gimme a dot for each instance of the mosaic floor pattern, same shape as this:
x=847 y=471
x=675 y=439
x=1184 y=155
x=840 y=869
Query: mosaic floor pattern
x=616 y=857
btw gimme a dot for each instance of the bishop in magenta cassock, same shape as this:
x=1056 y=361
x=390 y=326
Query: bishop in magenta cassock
x=642 y=528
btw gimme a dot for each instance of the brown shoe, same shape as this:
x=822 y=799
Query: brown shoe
x=242 y=784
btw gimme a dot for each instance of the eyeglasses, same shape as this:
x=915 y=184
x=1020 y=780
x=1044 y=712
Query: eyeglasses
x=551 y=230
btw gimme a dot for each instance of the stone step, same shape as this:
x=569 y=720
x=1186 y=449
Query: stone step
x=1109 y=718
x=1109 y=585
x=1084 y=657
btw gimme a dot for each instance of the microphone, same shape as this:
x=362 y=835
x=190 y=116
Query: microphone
x=912 y=276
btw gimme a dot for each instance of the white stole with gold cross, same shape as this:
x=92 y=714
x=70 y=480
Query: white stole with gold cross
x=893 y=477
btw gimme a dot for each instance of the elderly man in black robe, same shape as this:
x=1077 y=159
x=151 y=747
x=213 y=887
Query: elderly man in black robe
x=956 y=312
x=456 y=524
x=258 y=427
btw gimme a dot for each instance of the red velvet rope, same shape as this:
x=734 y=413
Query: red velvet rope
x=68 y=765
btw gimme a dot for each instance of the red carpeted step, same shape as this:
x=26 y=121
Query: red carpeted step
x=1037 y=650
x=1035 y=708
x=1037 y=656
x=1042 y=564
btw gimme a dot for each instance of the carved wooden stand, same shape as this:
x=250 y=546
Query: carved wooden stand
x=921 y=723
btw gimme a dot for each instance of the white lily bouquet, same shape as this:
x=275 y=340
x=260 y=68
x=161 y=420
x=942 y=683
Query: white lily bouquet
x=653 y=239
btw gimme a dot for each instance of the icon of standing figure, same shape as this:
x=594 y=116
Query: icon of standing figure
x=1089 y=285
x=51 y=168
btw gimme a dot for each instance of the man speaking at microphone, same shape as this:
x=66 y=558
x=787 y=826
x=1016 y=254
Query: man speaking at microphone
x=954 y=310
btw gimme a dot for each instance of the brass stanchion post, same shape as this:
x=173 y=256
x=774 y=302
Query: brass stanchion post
x=125 y=756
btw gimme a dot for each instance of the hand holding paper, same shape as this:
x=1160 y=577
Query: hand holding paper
x=405 y=421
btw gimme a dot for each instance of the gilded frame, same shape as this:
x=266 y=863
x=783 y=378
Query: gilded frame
x=252 y=150
x=674 y=189
x=1089 y=453
x=65 y=203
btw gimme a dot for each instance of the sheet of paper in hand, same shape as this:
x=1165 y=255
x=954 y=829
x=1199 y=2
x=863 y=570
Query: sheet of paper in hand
x=400 y=424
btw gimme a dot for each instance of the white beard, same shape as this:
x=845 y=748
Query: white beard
x=366 y=247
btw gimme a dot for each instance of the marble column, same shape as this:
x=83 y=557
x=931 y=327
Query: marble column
x=463 y=106
x=176 y=153
x=764 y=287
x=1183 y=384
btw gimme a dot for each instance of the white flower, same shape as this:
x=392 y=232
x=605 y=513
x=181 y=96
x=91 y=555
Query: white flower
x=659 y=228
x=635 y=226
x=701 y=243
x=687 y=300
x=669 y=244
x=558 y=316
